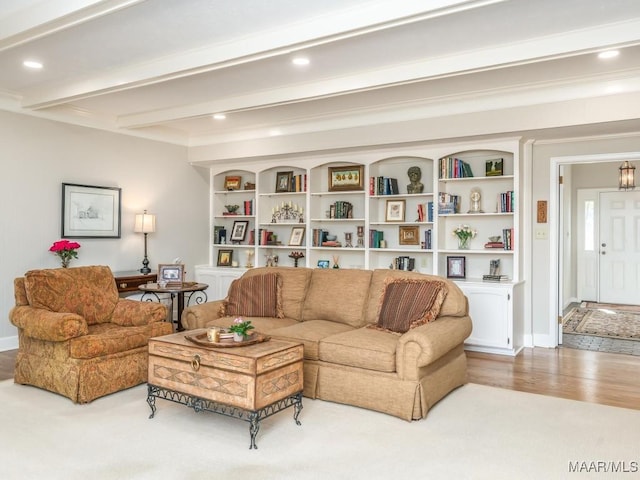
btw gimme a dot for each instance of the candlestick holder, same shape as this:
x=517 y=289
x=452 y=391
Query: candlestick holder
x=287 y=213
x=296 y=256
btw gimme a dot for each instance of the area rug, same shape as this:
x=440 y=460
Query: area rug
x=602 y=322
x=612 y=306
x=476 y=432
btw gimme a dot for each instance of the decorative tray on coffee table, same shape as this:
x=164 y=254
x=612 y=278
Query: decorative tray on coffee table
x=202 y=340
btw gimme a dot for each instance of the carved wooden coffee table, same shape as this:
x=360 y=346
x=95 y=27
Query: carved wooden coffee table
x=249 y=382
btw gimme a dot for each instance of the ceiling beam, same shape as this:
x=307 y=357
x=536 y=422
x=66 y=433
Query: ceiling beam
x=284 y=39
x=541 y=49
x=48 y=17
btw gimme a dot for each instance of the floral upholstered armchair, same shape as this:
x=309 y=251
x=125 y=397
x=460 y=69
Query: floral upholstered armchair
x=77 y=337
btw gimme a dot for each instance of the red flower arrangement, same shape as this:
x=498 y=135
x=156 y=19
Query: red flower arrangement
x=66 y=250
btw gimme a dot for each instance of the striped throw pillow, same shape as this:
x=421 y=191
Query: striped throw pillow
x=254 y=296
x=408 y=303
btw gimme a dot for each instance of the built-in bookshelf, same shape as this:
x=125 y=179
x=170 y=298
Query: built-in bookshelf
x=386 y=208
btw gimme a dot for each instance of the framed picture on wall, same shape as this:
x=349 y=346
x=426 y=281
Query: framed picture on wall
x=90 y=211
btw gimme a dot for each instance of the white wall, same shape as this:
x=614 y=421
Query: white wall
x=37 y=156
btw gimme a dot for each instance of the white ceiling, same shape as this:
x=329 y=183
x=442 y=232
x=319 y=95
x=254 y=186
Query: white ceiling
x=161 y=68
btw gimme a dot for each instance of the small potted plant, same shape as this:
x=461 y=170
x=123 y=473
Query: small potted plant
x=240 y=329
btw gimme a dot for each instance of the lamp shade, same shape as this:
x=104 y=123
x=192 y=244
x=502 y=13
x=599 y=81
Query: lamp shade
x=145 y=223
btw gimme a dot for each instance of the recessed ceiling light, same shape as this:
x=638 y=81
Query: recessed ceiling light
x=608 y=54
x=32 y=64
x=300 y=61
x=219 y=116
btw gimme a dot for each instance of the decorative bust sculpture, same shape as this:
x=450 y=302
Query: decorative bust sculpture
x=415 y=174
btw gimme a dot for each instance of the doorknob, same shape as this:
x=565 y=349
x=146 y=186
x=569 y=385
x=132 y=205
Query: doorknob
x=604 y=253
x=604 y=244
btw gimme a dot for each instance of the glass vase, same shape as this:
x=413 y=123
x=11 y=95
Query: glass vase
x=463 y=243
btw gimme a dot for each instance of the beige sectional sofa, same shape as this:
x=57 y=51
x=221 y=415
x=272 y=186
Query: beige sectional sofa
x=348 y=356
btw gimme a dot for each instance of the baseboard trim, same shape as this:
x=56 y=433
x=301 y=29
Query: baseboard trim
x=8 y=343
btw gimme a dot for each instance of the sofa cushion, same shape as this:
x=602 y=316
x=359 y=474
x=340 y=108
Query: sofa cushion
x=339 y=295
x=455 y=303
x=254 y=296
x=310 y=334
x=407 y=303
x=361 y=348
x=90 y=292
x=295 y=282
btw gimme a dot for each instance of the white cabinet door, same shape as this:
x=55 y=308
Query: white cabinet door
x=491 y=308
x=218 y=279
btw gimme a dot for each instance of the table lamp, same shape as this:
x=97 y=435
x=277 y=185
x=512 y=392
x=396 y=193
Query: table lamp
x=145 y=223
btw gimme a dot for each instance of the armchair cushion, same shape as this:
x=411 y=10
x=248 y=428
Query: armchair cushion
x=107 y=339
x=46 y=325
x=408 y=303
x=254 y=296
x=87 y=291
x=132 y=313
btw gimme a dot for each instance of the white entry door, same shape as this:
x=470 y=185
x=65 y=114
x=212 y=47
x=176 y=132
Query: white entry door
x=619 y=262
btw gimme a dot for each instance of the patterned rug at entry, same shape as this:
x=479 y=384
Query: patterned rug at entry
x=602 y=322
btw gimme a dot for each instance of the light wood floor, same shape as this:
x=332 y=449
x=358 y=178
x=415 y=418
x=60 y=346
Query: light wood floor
x=606 y=378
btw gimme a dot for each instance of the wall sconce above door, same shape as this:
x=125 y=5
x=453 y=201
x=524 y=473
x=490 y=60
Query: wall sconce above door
x=627 y=178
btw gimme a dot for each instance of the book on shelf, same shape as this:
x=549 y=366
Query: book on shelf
x=375 y=237
x=451 y=167
x=506 y=201
x=494 y=245
x=331 y=243
x=248 y=207
x=404 y=263
x=427 y=239
x=495 y=278
x=508 y=235
x=448 y=203
x=383 y=186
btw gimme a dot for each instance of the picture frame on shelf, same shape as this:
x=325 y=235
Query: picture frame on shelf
x=224 y=258
x=232 y=182
x=409 y=235
x=394 y=211
x=346 y=178
x=283 y=181
x=239 y=230
x=90 y=211
x=297 y=236
x=456 y=267
x=171 y=273
x=323 y=263
x=494 y=167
